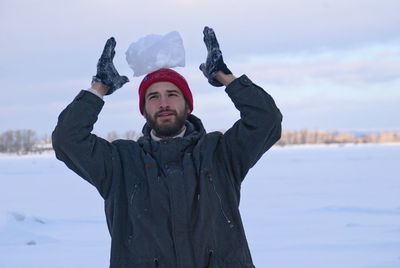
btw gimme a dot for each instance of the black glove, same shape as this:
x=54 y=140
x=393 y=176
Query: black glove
x=214 y=61
x=106 y=72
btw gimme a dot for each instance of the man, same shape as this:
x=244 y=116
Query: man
x=172 y=197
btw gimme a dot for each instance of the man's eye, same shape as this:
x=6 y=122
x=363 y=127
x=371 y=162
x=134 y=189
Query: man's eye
x=152 y=97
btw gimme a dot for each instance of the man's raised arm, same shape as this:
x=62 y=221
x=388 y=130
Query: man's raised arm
x=259 y=126
x=86 y=154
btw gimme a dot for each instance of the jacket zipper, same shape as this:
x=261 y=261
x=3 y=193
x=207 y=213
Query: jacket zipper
x=219 y=199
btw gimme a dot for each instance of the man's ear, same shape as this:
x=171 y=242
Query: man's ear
x=187 y=107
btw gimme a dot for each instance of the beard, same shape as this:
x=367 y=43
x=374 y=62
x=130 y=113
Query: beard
x=166 y=128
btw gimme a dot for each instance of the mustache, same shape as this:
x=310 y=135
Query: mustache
x=166 y=110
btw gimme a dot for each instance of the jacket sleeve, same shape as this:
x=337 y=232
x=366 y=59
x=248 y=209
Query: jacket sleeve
x=86 y=154
x=258 y=128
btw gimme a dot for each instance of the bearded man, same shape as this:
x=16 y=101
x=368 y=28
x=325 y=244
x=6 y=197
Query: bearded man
x=172 y=197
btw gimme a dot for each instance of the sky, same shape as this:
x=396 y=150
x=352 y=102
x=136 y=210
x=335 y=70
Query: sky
x=330 y=65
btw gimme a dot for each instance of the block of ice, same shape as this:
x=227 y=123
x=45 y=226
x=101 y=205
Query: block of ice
x=153 y=52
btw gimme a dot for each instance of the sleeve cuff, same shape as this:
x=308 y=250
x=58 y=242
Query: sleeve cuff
x=95 y=92
x=239 y=83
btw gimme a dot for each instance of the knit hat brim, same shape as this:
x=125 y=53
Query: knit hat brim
x=165 y=75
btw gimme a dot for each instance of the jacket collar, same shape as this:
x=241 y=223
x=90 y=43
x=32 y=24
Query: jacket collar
x=194 y=131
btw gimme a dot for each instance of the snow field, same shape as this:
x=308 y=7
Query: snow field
x=302 y=206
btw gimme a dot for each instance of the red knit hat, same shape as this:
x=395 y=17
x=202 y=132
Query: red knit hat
x=165 y=75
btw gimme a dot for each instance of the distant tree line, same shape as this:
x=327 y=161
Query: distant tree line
x=23 y=141
x=18 y=141
x=324 y=137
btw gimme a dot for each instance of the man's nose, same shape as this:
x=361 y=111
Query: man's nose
x=164 y=102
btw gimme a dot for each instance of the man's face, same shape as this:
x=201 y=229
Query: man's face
x=165 y=109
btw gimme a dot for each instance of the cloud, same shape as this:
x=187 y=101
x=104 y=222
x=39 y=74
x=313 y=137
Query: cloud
x=258 y=25
x=333 y=114
x=297 y=50
x=361 y=67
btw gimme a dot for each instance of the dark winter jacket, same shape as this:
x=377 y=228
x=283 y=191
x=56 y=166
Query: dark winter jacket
x=172 y=203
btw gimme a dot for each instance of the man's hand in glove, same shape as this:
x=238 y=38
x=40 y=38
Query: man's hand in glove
x=107 y=79
x=214 y=68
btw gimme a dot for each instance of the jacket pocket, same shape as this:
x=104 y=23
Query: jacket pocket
x=226 y=238
x=133 y=194
x=132 y=211
x=219 y=198
x=210 y=255
x=155 y=263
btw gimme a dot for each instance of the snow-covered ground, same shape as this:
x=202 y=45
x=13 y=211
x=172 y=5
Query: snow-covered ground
x=304 y=206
